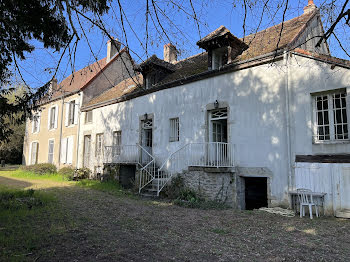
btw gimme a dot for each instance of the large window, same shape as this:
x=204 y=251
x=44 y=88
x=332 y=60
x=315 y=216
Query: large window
x=51 y=150
x=71 y=114
x=174 y=130
x=36 y=123
x=53 y=117
x=88 y=117
x=67 y=150
x=34 y=153
x=331 y=122
x=99 y=145
x=117 y=142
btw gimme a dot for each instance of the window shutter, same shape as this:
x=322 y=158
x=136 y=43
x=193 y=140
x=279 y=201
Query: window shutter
x=64 y=150
x=35 y=153
x=30 y=154
x=70 y=150
x=39 y=119
x=49 y=118
x=56 y=116
x=67 y=115
x=76 y=114
x=33 y=120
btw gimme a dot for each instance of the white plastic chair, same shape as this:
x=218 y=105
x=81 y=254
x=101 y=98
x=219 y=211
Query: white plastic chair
x=305 y=199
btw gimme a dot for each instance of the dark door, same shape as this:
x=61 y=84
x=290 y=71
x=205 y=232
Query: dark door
x=255 y=192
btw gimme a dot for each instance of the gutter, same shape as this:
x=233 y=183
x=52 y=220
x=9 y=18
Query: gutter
x=275 y=55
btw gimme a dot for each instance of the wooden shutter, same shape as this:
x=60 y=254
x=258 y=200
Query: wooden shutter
x=56 y=116
x=64 y=150
x=39 y=119
x=49 y=119
x=66 y=115
x=70 y=150
x=76 y=114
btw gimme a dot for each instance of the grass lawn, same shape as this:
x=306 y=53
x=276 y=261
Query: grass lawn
x=90 y=221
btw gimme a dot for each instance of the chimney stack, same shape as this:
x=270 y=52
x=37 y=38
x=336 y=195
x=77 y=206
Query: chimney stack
x=112 y=49
x=170 y=53
x=310 y=7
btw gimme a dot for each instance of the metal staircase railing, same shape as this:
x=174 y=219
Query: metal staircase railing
x=210 y=154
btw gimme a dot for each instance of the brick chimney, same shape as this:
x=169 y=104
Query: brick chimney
x=112 y=49
x=170 y=53
x=310 y=7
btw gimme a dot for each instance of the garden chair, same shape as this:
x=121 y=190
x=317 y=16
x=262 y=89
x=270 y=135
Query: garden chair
x=305 y=199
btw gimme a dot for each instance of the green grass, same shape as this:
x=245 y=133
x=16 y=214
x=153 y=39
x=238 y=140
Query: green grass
x=110 y=187
x=27 y=220
x=30 y=175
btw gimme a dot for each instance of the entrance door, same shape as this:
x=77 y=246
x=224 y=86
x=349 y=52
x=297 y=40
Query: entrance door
x=87 y=150
x=146 y=140
x=255 y=192
x=344 y=189
x=217 y=150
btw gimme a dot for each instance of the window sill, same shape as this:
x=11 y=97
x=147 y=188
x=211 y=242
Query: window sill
x=332 y=142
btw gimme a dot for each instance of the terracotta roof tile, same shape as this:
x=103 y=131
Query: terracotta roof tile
x=261 y=43
x=124 y=87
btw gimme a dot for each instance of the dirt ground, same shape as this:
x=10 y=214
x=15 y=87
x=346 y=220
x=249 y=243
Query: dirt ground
x=102 y=227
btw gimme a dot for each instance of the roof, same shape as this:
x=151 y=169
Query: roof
x=124 y=87
x=220 y=33
x=80 y=79
x=261 y=43
x=154 y=60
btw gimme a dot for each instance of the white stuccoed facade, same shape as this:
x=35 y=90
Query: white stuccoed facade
x=270 y=117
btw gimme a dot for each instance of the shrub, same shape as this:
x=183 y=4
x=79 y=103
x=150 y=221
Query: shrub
x=67 y=172
x=19 y=199
x=82 y=173
x=175 y=187
x=41 y=169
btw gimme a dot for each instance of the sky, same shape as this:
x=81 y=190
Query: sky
x=177 y=21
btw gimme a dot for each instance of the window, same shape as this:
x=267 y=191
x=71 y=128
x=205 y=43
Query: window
x=150 y=80
x=36 y=123
x=174 y=129
x=34 y=153
x=99 y=145
x=117 y=142
x=67 y=150
x=219 y=57
x=331 y=117
x=88 y=117
x=50 y=152
x=53 y=117
x=71 y=114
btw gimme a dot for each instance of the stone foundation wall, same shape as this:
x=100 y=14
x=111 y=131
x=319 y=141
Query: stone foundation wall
x=212 y=183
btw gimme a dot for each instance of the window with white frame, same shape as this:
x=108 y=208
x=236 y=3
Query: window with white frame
x=330 y=120
x=53 y=117
x=117 y=142
x=34 y=153
x=99 y=145
x=88 y=117
x=50 y=151
x=219 y=57
x=174 y=130
x=36 y=123
x=67 y=150
x=71 y=113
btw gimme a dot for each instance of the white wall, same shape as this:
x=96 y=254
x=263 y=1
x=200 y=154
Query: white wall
x=256 y=120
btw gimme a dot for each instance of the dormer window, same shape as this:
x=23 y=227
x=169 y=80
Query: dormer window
x=222 y=47
x=154 y=70
x=150 y=80
x=219 y=57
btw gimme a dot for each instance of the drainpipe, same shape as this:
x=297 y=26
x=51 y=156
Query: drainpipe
x=60 y=142
x=289 y=153
x=78 y=142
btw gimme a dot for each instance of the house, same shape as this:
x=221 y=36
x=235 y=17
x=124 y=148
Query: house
x=51 y=135
x=245 y=122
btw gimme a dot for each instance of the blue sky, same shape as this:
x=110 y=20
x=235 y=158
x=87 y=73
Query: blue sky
x=178 y=23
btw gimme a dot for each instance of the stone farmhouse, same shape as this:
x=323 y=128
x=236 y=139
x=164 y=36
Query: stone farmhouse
x=245 y=122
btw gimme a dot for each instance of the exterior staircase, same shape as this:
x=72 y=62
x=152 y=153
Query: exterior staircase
x=152 y=179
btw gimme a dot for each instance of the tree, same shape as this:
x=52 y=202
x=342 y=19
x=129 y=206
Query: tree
x=61 y=24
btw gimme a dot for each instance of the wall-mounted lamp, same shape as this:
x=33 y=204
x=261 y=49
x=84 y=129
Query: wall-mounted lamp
x=145 y=116
x=216 y=104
